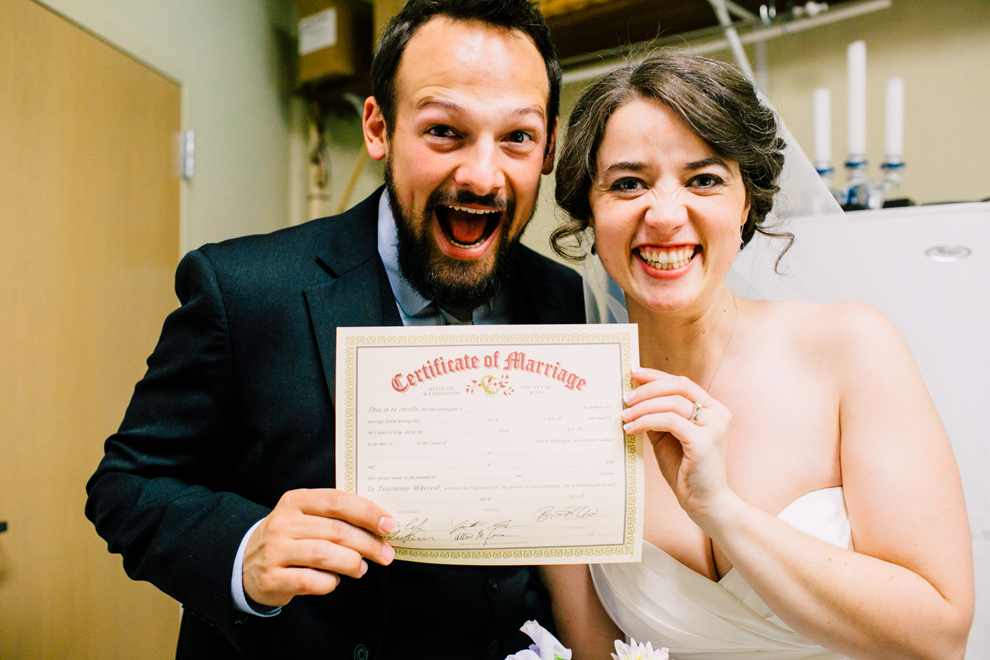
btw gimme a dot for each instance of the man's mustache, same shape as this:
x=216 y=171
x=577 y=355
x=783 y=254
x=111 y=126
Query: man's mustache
x=462 y=197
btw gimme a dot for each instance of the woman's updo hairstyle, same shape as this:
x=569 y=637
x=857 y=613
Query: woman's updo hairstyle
x=717 y=102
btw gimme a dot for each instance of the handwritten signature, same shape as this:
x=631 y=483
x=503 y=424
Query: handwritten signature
x=483 y=531
x=570 y=512
x=409 y=532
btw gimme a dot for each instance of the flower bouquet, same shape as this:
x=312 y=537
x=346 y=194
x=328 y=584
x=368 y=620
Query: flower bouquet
x=546 y=647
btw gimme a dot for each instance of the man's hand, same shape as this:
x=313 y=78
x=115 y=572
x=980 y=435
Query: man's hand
x=309 y=539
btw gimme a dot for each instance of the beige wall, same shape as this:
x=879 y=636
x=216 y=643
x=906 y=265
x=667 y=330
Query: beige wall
x=345 y=142
x=942 y=50
x=233 y=59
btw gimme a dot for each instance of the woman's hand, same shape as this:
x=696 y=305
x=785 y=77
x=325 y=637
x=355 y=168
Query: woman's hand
x=691 y=454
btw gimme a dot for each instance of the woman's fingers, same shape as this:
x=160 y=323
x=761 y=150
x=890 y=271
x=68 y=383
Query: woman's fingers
x=661 y=422
x=675 y=403
x=687 y=428
x=659 y=384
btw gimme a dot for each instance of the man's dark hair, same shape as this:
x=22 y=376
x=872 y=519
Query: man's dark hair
x=522 y=15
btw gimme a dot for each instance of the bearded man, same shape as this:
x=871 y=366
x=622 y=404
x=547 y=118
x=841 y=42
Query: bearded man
x=218 y=487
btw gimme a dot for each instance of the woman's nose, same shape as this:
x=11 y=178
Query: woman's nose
x=666 y=209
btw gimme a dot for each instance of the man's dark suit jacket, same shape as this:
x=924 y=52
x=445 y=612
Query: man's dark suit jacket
x=237 y=407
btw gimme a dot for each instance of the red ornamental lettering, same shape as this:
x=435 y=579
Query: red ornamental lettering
x=518 y=360
x=515 y=360
x=398 y=385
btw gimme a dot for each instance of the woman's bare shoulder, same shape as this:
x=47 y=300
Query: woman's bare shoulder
x=844 y=339
x=827 y=327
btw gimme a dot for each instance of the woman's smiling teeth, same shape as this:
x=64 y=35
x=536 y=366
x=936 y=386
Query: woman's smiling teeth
x=666 y=258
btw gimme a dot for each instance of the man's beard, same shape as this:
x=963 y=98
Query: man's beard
x=456 y=285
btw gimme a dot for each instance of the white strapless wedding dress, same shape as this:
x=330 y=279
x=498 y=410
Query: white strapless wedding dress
x=662 y=601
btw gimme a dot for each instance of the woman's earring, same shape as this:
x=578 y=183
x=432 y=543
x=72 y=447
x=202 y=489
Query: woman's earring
x=594 y=249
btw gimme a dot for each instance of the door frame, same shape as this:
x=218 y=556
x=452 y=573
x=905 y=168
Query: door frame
x=102 y=24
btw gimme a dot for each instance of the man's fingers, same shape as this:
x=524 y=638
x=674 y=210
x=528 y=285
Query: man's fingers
x=308 y=581
x=308 y=539
x=325 y=556
x=334 y=516
x=345 y=556
x=337 y=504
x=358 y=540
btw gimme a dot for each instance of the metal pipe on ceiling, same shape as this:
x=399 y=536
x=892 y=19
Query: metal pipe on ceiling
x=705 y=44
x=731 y=36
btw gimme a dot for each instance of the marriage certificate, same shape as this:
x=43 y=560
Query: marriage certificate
x=493 y=444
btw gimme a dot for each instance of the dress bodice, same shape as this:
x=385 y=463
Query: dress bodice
x=662 y=601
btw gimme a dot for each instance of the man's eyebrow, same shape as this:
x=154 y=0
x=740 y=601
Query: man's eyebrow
x=531 y=110
x=449 y=106
x=456 y=109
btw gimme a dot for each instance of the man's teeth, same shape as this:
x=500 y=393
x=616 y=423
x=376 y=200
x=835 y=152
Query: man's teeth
x=667 y=259
x=464 y=209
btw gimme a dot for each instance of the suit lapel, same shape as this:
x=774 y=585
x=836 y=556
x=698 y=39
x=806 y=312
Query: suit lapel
x=357 y=293
x=533 y=300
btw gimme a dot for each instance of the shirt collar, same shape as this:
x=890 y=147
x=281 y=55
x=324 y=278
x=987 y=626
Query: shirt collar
x=409 y=301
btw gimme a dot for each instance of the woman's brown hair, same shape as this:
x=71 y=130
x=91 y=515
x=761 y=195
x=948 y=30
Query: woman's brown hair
x=717 y=102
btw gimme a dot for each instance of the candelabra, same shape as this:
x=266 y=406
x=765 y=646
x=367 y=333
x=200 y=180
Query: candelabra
x=859 y=191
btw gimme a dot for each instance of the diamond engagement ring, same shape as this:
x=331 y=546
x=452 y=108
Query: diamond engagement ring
x=697 y=411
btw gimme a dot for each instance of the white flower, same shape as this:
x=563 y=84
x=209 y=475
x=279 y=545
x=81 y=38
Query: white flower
x=545 y=646
x=636 y=651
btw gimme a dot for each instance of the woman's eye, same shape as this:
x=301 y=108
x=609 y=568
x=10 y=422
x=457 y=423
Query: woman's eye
x=626 y=184
x=519 y=137
x=706 y=181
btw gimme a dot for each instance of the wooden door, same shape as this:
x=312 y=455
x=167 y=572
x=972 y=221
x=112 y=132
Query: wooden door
x=89 y=240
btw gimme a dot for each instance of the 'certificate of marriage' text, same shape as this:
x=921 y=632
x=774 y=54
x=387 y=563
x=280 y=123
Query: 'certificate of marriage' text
x=493 y=444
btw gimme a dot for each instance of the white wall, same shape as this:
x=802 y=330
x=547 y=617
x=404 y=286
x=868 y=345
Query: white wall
x=234 y=61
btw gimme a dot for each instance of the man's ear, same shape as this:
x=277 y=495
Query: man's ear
x=551 y=152
x=373 y=125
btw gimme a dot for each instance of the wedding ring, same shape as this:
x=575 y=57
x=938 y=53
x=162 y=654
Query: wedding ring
x=697 y=412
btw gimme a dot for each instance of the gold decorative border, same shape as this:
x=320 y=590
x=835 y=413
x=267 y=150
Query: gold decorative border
x=623 y=338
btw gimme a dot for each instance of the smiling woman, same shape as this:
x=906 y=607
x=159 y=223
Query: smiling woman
x=776 y=525
x=655 y=174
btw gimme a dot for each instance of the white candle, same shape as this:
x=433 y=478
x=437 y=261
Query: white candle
x=895 y=120
x=856 y=60
x=823 y=126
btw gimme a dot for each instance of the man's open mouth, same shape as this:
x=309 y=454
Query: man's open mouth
x=467 y=227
